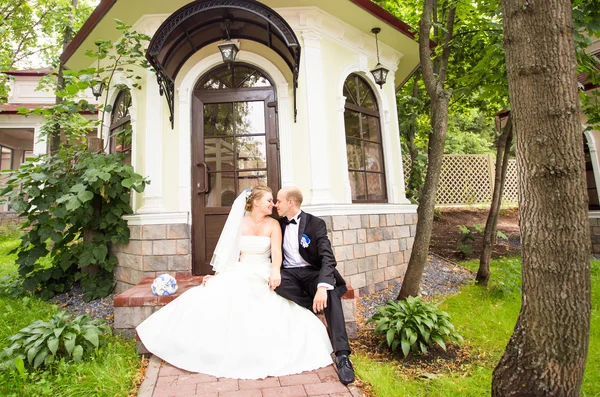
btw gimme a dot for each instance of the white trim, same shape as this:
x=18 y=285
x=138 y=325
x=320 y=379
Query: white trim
x=164 y=218
x=594 y=214
x=184 y=122
x=360 y=209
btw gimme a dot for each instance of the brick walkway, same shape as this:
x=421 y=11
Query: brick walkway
x=164 y=380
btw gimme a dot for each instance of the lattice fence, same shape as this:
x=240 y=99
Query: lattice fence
x=469 y=179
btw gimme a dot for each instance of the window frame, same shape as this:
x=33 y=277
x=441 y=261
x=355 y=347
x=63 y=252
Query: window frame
x=118 y=122
x=361 y=112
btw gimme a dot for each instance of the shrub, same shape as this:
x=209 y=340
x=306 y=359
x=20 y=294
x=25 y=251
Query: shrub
x=413 y=325
x=11 y=285
x=44 y=342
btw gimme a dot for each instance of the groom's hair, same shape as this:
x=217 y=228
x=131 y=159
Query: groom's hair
x=294 y=194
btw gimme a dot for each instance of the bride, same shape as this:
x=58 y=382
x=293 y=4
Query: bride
x=234 y=325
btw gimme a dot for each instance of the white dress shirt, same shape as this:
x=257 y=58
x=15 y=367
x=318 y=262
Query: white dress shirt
x=291 y=248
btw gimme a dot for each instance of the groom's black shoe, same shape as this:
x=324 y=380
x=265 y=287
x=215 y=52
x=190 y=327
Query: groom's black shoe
x=344 y=368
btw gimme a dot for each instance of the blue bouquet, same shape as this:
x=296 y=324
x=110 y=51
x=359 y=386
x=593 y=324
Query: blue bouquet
x=164 y=285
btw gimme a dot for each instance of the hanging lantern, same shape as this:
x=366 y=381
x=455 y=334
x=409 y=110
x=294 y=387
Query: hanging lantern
x=98 y=85
x=228 y=48
x=379 y=73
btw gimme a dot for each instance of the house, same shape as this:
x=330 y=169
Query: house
x=298 y=106
x=20 y=136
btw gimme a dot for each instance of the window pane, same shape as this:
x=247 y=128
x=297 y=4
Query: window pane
x=251 y=152
x=5 y=163
x=218 y=79
x=222 y=185
x=350 y=90
x=370 y=128
x=218 y=119
x=249 y=117
x=351 y=122
x=218 y=154
x=249 y=179
x=376 y=187
x=246 y=77
x=365 y=94
x=357 y=185
x=373 y=157
x=368 y=101
x=355 y=154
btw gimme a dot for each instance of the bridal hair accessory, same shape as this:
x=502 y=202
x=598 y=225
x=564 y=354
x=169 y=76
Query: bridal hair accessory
x=164 y=285
x=304 y=241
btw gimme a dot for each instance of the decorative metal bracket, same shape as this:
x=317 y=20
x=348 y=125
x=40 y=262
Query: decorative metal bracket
x=166 y=87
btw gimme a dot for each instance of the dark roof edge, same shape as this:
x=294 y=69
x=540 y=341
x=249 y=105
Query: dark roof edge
x=95 y=18
x=29 y=72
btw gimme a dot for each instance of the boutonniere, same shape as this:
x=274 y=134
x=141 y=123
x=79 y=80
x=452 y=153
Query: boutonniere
x=304 y=241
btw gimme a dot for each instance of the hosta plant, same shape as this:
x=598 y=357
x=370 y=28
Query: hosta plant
x=43 y=342
x=413 y=325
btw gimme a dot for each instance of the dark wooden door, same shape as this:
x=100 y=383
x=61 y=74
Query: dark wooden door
x=234 y=146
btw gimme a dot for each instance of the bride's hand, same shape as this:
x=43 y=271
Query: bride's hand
x=274 y=279
x=206 y=278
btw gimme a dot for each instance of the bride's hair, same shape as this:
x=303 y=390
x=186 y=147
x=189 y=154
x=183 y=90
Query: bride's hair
x=256 y=193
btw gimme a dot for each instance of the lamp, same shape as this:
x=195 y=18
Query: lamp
x=228 y=48
x=379 y=73
x=98 y=85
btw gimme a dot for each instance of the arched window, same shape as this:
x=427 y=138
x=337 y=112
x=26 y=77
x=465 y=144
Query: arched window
x=240 y=76
x=363 y=142
x=120 y=126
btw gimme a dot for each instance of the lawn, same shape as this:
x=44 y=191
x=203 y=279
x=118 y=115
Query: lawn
x=113 y=372
x=485 y=318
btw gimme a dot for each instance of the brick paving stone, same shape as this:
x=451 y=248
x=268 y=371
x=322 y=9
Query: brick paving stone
x=167 y=381
x=195 y=378
x=174 y=391
x=300 y=379
x=246 y=384
x=325 y=388
x=346 y=394
x=286 y=391
x=168 y=369
x=220 y=386
x=241 y=393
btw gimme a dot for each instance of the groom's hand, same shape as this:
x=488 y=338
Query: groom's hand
x=320 y=301
x=274 y=279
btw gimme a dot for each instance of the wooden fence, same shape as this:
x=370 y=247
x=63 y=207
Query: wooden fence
x=468 y=179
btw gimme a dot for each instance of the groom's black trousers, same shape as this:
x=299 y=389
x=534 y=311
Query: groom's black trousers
x=300 y=285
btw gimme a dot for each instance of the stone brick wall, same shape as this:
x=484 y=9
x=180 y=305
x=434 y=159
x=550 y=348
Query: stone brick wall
x=372 y=251
x=10 y=219
x=152 y=250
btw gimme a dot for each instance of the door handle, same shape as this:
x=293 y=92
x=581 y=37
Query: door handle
x=206 y=180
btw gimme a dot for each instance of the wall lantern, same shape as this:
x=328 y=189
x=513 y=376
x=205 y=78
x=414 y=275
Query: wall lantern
x=379 y=73
x=98 y=85
x=228 y=48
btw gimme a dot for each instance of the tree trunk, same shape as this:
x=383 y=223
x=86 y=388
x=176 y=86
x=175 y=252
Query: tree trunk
x=547 y=352
x=489 y=234
x=440 y=97
x=413 y=178
x=54 y=137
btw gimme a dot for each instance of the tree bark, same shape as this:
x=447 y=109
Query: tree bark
x=413 y=178
x=489 y=234
x=440 y=97
x=547 y=352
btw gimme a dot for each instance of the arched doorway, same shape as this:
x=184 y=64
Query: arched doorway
x=234 y=146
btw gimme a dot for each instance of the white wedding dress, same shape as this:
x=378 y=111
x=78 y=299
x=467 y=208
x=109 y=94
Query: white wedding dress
x=236 y=327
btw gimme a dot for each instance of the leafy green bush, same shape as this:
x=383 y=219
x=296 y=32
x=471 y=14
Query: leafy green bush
x=11 y=285
x=467 y=236
x=44 y=342
x=413 y=325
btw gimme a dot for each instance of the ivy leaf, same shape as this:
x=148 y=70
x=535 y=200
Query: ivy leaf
x=127 y=183
x=100 y=252
x=73 y=204
x=85 y=196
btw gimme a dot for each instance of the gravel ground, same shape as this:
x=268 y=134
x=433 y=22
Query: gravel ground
x=72 y=302
x=440 y=277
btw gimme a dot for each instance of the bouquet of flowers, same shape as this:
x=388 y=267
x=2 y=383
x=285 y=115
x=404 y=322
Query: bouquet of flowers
x=164 y=285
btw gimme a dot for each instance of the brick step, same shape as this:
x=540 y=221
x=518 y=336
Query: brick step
x=137 y=303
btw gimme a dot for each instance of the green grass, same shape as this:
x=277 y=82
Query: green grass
x=112 y=373
x=485 y=318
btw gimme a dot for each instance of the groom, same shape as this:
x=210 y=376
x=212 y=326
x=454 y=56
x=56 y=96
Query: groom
x=308 y=274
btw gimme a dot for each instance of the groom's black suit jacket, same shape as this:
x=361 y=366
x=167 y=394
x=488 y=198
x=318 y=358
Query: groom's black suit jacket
x=319 y=253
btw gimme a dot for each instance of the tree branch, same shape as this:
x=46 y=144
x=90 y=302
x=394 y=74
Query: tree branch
x=446 y=51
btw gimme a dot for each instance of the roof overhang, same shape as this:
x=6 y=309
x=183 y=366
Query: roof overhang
x=203 y=22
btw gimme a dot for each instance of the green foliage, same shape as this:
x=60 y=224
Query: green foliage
x=45 y=342
x=75 y=200
x=467 y=236
x=11 y=285
x=413 y=325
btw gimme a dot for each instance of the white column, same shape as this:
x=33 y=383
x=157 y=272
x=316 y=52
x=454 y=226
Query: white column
x=341 y=138
x=153 y=155
x=316 y=116
x=39 y=142
x=184 y=125
x=284 y=114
